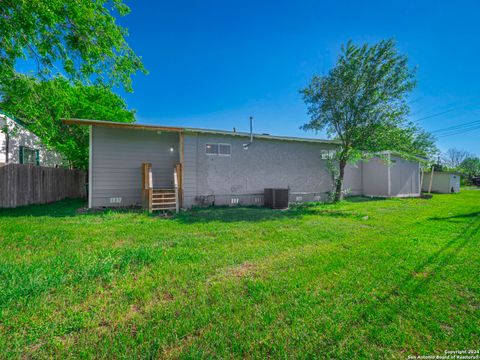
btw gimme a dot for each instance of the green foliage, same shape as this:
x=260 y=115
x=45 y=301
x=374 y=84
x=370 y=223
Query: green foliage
x=362 y=102
x=359 y=279
x=81 y=37
x=41 y=104
x=470 y=167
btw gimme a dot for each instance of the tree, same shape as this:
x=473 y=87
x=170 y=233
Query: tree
x=362 y=102
x=81 y=37
x=41 y=104
x=454 y=157
x=470 y=167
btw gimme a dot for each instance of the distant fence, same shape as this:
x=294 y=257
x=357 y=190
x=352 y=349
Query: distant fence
x=28 y=184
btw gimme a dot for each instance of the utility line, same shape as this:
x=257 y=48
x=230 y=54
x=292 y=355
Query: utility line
x=460 y=131
x=458 y=126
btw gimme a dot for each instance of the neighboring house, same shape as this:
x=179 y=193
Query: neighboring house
x=225 y=168
x=387 y=174
x=442 y=182
x=19 y=145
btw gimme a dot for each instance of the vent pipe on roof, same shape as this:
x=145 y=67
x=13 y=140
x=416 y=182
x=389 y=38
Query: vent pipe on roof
x=245 y=146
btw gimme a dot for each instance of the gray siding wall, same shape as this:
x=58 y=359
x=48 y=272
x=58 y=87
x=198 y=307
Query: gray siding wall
x=117 y=156
x=246 y=173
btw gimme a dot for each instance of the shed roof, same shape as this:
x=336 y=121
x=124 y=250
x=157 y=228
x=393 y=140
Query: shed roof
x=131 y=126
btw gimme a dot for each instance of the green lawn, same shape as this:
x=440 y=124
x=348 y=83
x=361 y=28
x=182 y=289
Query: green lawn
x=361 y=279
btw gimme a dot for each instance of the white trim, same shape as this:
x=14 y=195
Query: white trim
x=389 y=175
x=90 y=165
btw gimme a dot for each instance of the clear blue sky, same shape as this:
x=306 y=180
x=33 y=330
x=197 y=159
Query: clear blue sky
x=214 y=63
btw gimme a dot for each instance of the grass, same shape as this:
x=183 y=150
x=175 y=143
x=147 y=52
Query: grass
x=361 y=279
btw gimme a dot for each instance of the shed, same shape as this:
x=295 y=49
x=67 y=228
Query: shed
x=386 y=174
x=442 y=182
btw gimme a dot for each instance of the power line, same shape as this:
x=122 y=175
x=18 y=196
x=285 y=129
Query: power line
x=460 y=131
x=444 y=112
x=458 y=126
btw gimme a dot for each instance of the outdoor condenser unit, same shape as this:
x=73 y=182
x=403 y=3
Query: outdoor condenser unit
x=276 y=198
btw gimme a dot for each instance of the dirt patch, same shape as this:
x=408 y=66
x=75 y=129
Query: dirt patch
x=241 y=270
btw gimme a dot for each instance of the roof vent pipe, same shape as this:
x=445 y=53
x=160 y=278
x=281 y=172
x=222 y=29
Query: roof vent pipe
x=245 y=146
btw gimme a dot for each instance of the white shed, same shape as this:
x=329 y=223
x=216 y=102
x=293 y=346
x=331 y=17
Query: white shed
x=442 y=182
x=387 y=174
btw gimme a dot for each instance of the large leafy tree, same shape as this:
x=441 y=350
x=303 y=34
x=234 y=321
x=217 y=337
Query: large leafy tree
x=362 y=101
x=40 y=104
x=80 y=39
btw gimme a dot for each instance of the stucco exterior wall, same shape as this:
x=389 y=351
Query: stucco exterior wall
x=242 y=177
x=19 y=136
x=116 y=159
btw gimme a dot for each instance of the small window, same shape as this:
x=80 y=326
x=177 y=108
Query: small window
x=29 y=156
x=218 y=149
x=211 y=149
x=327 y=154
x=224 y=149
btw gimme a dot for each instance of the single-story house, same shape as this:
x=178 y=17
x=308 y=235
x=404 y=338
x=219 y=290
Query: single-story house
x=384 y=174
x=19 y=145
x=215 y=167
x=442 y=182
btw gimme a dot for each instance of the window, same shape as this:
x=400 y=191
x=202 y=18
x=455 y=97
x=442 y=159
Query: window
x=218 y=149
x=327 y=154
x=224 y=149
x=28 y=156
x=211 y=149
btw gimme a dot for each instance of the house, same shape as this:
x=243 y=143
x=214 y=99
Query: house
x=217 y=167
x=384 y=174
x=19 y=145
x=442 y=182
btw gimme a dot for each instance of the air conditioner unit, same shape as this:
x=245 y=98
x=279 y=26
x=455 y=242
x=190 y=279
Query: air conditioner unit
x=276 y=198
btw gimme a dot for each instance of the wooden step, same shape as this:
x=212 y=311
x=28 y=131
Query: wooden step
x=164 y=203
x=163 y=208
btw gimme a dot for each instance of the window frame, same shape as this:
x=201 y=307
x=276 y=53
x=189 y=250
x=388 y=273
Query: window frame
x=225 y=144
x=35 y=152
x=218 y=145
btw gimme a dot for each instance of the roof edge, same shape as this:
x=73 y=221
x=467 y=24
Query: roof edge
x=112 y=124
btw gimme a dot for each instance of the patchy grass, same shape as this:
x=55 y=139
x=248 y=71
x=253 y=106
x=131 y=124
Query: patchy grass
x=361 y=279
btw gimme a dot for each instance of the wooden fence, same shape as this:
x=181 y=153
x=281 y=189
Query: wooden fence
x=28 y=184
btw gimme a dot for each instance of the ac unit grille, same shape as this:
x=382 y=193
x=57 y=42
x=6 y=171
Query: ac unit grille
x=276 y=198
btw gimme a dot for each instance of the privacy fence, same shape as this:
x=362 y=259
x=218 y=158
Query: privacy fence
x=28 y=184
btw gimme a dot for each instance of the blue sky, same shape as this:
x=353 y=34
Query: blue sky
x=214 y=63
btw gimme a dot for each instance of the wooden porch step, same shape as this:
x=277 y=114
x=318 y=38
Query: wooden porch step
x=164 y=203
x=164 y=208
x=163 y=196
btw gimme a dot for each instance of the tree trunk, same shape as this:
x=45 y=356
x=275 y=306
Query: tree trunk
x=339 y=184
